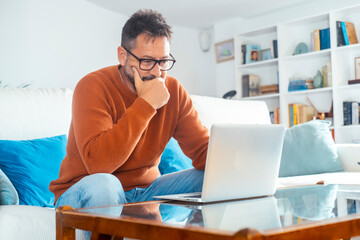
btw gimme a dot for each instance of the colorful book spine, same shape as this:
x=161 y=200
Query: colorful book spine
x=346 y=38
x=347 y=108
x=339 y=34
x=324 y=38
x=291 y=115
x=317 y=40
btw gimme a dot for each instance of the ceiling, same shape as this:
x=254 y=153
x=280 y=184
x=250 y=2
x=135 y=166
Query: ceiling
x=200 y=14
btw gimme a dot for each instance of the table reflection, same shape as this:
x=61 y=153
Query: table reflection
x=287 y=207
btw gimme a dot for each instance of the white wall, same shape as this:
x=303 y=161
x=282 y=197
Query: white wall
x=55 y=43
x=194 y=68
x=225 y=72
x=50 y=43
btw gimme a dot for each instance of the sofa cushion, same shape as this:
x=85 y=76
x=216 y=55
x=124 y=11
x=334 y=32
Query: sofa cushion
x=217 y=110
x=8 y=193
x=31 y=165
x=173 y=159
x=309 y=149
x=31 y=113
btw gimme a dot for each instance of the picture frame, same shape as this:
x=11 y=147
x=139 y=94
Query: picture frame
x=357 y=68
x=266 y=54
x=224 y=51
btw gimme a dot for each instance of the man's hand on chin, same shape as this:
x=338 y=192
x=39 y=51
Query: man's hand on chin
x=153 y=91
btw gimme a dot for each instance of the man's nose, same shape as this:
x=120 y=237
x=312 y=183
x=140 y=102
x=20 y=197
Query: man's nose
x=156 y=70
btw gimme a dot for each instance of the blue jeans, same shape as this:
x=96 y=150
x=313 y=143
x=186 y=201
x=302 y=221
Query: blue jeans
x=103 y=189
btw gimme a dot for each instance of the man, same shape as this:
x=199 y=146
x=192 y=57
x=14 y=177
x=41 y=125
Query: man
x=123 y=117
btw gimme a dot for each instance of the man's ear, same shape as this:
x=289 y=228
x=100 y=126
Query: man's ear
x=122 y=55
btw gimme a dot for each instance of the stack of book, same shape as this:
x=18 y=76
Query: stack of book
x=351 y=111
x=272 y=88
x=300 y=113
x=345 y=33
x=320 y=39
x=298 y=85
x=250 y=85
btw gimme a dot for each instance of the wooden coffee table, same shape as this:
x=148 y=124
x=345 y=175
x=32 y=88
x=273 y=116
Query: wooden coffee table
x=298 y=213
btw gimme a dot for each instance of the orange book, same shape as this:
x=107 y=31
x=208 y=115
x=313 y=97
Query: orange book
x=350 y=29
x=317 y=40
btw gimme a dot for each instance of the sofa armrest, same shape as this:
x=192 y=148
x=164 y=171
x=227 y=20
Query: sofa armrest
x=349 y=155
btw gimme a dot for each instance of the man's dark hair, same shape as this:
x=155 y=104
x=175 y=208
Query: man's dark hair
x=145 y=21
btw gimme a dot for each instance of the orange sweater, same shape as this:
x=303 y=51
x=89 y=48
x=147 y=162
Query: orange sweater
x=113 y=131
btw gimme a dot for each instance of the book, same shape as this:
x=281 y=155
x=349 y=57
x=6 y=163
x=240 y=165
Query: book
x=306 y=113
x=324 y=74
x=277 y=115
x=329 y=74
x=272 y=88
x=300 y=113
x=351 y=33
x=317 y=40
x=347 y=117
x=324 y=38
x=355 y=81
x=355 y=113
x=339 y=34
x=296 y=85
x=245 y=85
x=243 y=51
x=291 y=114
x=250 y=85
x=311 y=48
x=275 y=47
x=254 y=85
x=346 y=39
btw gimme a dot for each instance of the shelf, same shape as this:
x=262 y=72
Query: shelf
x=263 y=96
x=311 y=91
x=260 y=63
x=305 y=66
x=321 y=53
x=347 y=47
x=348 y=87
x=357 y=126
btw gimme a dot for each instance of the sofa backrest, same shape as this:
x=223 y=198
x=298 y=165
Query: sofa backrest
x=28 y=113
x=217 y=110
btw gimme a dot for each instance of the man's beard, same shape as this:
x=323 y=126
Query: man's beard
x=130 y=74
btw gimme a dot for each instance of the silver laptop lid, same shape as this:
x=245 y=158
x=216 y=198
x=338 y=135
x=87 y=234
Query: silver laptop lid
x=243 y=161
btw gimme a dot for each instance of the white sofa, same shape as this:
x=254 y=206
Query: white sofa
x=36 y=113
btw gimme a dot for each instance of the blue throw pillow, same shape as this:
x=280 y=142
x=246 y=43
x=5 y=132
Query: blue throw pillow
x=173 y=159
x=309 y=149
x=31 y=165
x=8 y=193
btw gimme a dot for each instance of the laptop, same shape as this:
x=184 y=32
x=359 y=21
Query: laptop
x=243 y=161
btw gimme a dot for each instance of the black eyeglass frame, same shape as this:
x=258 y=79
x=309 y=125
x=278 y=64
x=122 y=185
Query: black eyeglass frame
x=155 y=61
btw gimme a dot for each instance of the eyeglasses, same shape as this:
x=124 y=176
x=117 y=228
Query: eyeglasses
x=146 y=64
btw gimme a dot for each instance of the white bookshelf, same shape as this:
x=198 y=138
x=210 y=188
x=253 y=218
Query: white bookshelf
x=289 y=66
